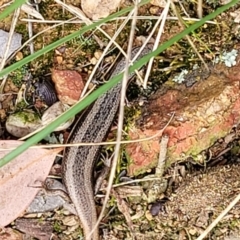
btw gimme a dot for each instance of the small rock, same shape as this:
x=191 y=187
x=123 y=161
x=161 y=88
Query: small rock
x=2 y=114
x=93 y=61
x=68 y=84
x=22 y=123
x=148 y=215
x=53 y=112
x=19 y=56
x=98 y=54
x=96 y=9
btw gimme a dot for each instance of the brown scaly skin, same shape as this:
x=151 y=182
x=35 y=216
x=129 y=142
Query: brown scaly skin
x=79 y=162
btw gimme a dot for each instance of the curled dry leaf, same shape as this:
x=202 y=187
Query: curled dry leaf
x=31 y=11
x=21 y=179
x=96 y=9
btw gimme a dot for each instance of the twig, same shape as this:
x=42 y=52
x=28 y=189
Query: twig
x=11 y=32
x=118 y=18
x=163 y=17
x=5 y=56
x=159 y=133
x=181 y=24
x=219 y=218
x=6 y=4
x=162 y=156
x=199 y=9
x=120 y=119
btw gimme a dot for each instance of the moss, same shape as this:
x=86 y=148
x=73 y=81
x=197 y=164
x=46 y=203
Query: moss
x=57 y=227
x=27 y=116
x=22 y=105
x=18 y=75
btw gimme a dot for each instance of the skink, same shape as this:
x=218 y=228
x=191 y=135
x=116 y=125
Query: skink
x=79 y=162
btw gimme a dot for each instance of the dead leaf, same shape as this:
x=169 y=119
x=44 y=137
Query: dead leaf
x=10 y=234
x=236 y=15
x=15 y=43
x=96 y=9
x=21 y=179
x=31 y=11
x=41 y=230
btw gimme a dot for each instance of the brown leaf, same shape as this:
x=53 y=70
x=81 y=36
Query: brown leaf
x=35 y=228
x=10 y=234
x=21 y=179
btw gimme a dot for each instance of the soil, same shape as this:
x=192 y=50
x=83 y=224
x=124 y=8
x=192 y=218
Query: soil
x=199 y=200
x=201 y=195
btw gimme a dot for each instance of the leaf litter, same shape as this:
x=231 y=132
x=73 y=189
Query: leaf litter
x=143 y=227
x=21 y=179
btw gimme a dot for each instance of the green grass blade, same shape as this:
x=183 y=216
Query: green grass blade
x=11 y=8
x=65 y=39
x=87 y=101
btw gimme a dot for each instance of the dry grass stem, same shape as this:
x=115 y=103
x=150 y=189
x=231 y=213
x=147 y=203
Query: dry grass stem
x=218 y=219
x=163 y=19
x=120 y=119
x=4 y=59
x=116 y=19
x=181 y=24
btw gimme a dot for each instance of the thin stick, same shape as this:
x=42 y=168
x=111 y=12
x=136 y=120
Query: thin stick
x=11 y=32
x=6 y=4
x=163 y=17
x=162 y=156
x=159 y=133
x=219 y=218
x=118 y=18
x=5 y=56
x=181 y=24
x=120 y=120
